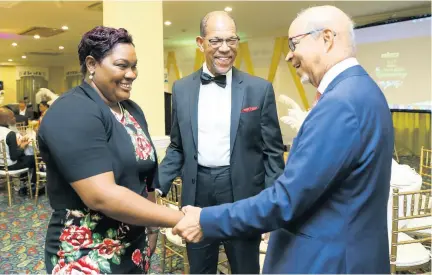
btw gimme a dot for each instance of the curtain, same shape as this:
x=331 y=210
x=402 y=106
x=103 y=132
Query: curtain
x=72 y=81
x=412 y=131
x=28 y=86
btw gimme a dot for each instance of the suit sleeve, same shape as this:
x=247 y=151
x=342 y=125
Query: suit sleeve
x=172 y=163
x=272 y=138
x=325 y=153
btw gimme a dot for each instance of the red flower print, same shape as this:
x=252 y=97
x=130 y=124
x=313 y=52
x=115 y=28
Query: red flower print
x=137 y=257
x=109 y=247
x=83 y=266
x=3 y=226
x=15 y=237
x=77 y=236
x=147 y=266
x=143 y=147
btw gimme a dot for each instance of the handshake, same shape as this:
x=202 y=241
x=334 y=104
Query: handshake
x=189 y=227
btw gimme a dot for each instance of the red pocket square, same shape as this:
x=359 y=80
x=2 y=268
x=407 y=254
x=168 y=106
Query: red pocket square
x=249 y=109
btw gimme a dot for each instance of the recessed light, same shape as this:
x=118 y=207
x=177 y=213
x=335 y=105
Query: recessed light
x=10 y=60
x=228 y=9
x=23 y=57
x=61 y=48
x=14 y=44
x=65 y=28
x=36 y=36
x=167 y=23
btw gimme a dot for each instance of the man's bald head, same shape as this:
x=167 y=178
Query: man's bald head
x=6 y=116
x=328 y=17
x=214 y=16
x=319 y=38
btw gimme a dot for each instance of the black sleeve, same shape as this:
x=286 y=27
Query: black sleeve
x=15 y=152
x=272 y=138
x=73 y=132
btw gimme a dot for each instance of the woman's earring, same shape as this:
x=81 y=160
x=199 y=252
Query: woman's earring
x=91 y=75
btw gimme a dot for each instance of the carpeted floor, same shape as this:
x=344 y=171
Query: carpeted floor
x=23 y=227
x=22 y=237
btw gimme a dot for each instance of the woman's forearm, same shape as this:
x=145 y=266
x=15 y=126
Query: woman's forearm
x=126 y=206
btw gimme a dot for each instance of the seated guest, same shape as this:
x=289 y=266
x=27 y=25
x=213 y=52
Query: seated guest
x=25 y=111
x=16 y=159
x=43 y=107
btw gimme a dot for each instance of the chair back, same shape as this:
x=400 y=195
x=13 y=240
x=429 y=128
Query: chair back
x=39 y=163
x=426 y=166
x=4 y=149
x=415 y=205
x=173 y=198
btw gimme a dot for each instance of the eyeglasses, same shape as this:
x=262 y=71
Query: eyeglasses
x=218 y=42
x=292 y=43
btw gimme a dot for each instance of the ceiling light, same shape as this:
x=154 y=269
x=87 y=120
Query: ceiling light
x=228 y=9
x=14 y=44
x=10 y=60
x=167 y=23
x=36 y=36
x=23 y=57
x=65 y=28
x=61 y=48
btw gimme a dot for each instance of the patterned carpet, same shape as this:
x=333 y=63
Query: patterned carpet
x=22 y=237
x=23 y=227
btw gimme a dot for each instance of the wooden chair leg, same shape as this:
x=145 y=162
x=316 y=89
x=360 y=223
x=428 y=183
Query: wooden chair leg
x=163 y=252
x=9 y=190
x=186 y=266
x=37 y=188
x=29 y=184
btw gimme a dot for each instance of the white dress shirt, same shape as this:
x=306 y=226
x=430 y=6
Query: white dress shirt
x=214 y=122
x=334 y=71
x=23 y=112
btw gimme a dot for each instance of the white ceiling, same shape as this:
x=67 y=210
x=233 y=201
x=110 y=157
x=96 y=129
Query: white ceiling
x=254 y=19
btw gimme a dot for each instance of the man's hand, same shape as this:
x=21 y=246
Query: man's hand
x=189 y=227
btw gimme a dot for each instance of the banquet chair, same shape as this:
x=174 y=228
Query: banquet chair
x=173 y=243
x=426 y=166
x=41 y=175
x=9 y=175
x=407 y=253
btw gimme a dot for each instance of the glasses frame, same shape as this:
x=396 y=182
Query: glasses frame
x=221 y=41
x=292 y=44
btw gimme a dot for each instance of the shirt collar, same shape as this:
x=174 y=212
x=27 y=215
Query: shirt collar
x=334 y=71
x=228 y=74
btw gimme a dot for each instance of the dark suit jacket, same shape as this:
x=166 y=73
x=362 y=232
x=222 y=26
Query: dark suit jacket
x=255 y=140
x=330 y=204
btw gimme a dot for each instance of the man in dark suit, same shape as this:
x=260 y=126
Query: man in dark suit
x=225 y=141
x=329 y=208
x=25 y=110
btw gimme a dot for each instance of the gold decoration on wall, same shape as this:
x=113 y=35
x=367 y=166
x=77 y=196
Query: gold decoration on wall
x=281 y=48
x=243 y=53
x=199 y=59
x=171 y=61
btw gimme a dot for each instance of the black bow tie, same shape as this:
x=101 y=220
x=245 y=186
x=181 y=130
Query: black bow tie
x=220 y=80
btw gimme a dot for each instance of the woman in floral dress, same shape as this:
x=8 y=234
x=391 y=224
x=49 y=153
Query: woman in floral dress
x=101 y=167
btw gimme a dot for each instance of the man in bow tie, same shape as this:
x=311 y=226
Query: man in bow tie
x=225 y=141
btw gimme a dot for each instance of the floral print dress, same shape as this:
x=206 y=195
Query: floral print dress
x=82 y=241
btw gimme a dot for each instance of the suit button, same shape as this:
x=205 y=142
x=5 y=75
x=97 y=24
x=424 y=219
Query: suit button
x=193 y=181
x=195 y=157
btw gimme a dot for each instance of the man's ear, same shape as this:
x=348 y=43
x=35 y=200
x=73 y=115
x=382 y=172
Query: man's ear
x=90 y=63
x=199 y=41
x=329 y=37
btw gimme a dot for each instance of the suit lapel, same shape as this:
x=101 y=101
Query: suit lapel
x=237 y=94
x=193 y=105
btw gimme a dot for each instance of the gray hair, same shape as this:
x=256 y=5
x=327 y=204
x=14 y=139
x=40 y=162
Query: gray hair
x=316 y=23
